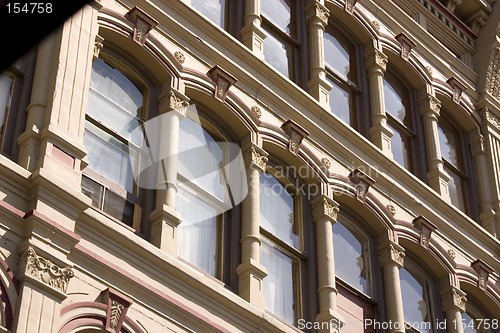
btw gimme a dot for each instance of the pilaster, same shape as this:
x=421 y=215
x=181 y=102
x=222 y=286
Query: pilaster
x=252 y=34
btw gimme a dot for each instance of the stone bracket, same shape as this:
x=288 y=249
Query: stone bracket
x=296 y=134
x=457 y=88
x=483 y=272
x=117 y=306
x=426 y=228
x=406 y=45
x=143 y=23
x=223 y=81
x=362 y=183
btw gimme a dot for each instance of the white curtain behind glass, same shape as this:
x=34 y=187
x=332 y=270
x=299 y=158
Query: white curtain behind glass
x=197 y=242
x=276 y=210
x=278 y=284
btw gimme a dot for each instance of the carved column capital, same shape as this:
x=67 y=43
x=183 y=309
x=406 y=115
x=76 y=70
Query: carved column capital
x=323 y=207
x=430 y=106
x=317 y=13
x=256 y=158
x=392 y=253
x=143 y=23
x=426 y=228
x=377 y=60
x=45 y=271
x=173 y=101
x=453 y=298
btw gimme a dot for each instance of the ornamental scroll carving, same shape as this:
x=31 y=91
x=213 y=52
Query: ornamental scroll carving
x=457 y=88
x=317 y=11
x=257 y=159
x=362 y=183
x=46 y=271
x=493 y=71
x=406 y=45
x=376 y=58
x=492 y=119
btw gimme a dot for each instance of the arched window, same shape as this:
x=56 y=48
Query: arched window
x=282 y=250
x=341 y=69
x=475 y=320
x=115 y=109
x=398 y=109
x=205 y=201
x=454 y=154
x=282 y=42
x=420 y=305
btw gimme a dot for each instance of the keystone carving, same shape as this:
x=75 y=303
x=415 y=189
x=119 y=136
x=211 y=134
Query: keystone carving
x=406 y=45
x=426 y=228
x=117 y=306
x=143 y=23
x=362 y=183
x=223 y=81
x=483 y=272
x=295 y=133
x=457 y=89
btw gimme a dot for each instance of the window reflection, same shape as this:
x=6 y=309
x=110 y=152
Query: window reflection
x=350 y=262
x=276 y=54
x=278 y=12
x=213 y=9
x=415 y=301
x=337 y=56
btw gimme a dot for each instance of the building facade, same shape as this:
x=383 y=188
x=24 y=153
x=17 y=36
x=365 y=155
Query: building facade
x=367 y=198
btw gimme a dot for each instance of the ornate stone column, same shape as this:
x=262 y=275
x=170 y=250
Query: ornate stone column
x=438 y=179
x=380 y=133
x=325 y=212
x=252 y=34
x=43 y=285
x=164 y=219
x=250 y=272
x=317 y=19
x=453 y=301
x=391 y=260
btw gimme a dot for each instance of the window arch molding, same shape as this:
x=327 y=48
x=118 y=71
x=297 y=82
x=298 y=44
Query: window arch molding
x=358 y=23
x=161 y=62
x=485 y=302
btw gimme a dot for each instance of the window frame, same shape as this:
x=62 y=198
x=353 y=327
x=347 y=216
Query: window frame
x=300 y=258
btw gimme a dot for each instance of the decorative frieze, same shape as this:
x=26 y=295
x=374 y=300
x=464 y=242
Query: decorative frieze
x=392 y=253
x=406 y=45
x=45 y=271
x=483 y=272
x=362 y=183
x=452 y=297
x=492 y=84
x=323 y=206
x=426 y=228
x=143 y=23
x=491 y=118
x=223 y=81
x=457 y=88
x=296 y=134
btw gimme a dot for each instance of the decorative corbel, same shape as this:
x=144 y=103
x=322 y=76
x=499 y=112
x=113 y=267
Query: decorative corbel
x=457 y=88
x=117 y=306
x=349 y=6
x=296 y=134
x=483 y=272
x=98 y=44
x=143 y=23
x=223 y=81
x=426 y=228
x=406 y=45
x=362 y=183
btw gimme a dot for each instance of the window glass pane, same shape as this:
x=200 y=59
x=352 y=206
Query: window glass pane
x=5 y=92
x=93 y=190
x=276 y=210
x=196 y=144
x=278 y=12
x=278 y=284
x=197 y=237
x=115 y=101
x=213 y=9
x=336 y=56
x=119 y=207
x=455 y=188
x=109 y=157
x=399 y=147
x=468 y=323
x=394 y=102
x=448 y=142
x=340 y=103
x=350 y=263
x=276 y=54
x=415 y=306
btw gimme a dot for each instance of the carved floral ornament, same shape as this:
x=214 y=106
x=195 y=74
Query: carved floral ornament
x=492 y=118
x=180 y=56
x=317 y=11
x=258 y=158
x=493 y=70
x=376 y=58
x=143 y=23
x=45 y=271
x=117 y=306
